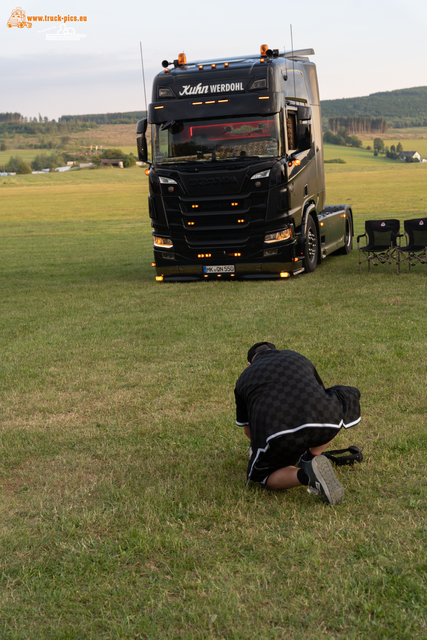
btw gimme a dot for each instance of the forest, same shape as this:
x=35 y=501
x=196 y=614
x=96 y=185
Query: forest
x=401 y=108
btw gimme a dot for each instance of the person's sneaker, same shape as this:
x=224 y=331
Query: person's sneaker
x=321 y=476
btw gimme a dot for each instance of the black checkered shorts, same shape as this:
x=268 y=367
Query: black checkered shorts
x=285 y=450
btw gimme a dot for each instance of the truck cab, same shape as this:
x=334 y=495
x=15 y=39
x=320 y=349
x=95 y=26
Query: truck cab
x=236 y=178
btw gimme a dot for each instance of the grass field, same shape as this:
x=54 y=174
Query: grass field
x=124 y=511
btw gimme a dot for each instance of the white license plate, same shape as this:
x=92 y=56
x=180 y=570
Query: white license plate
x=222 y=268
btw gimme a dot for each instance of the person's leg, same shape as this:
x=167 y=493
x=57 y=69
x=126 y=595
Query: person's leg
x=316 y=451
x=284 y=478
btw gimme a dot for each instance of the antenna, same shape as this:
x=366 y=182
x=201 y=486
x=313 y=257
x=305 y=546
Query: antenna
x=143 y=77
x=293 y=61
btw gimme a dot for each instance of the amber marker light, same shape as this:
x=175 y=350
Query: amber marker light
x=222 y=100
x=147 y=171
x=297 y=162
x=201 y=67
x=284 y=274
x=190 y=224
x=213 y=66
x=194 y=206
x=197 y=103
x=159 y=278
x=153 y=264
x=225 y=65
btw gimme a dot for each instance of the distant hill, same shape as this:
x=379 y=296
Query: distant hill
x=127 y=117
x=400 y=108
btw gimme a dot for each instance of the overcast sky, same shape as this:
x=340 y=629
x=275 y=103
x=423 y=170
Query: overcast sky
x=361 y=47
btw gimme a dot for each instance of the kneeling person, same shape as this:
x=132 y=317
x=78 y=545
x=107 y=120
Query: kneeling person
x=290 y=418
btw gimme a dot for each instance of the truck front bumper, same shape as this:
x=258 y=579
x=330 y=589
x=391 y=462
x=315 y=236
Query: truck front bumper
x=245 y=271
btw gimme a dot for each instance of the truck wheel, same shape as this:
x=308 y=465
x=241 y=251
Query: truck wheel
x=348 y=246
x=311 y=247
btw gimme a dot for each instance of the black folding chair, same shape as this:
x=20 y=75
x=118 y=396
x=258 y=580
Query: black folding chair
x=381 y=243
x=416 y=249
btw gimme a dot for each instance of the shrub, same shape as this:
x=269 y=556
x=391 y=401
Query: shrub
x=333 y=138
x=113 y=154
x=23 y=168
x=44 y=161
x=354 y=141
x=129 y=161
x=13 y=164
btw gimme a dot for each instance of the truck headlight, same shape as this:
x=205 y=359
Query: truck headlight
x=286 y=234
x=164 y=180
x=165 y=243
x=261 y=174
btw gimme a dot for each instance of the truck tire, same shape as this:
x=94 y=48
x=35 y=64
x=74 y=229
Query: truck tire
x=311 y=247
x=348 y=239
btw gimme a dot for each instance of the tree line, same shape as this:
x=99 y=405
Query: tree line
x=342 y=137
x=358 y=125
x=11 y=117
x=126 y=117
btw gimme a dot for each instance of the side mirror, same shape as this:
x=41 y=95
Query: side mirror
x=141 y=127
x=141 y=141
x=304 y=128
x=303 y=113
x=304 y=136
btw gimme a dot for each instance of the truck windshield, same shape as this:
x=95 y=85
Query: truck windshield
x=217 y=140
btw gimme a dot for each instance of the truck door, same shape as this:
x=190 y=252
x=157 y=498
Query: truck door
x=302 y=174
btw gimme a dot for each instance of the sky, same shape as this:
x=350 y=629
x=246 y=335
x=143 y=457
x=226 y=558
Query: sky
x=361 y=47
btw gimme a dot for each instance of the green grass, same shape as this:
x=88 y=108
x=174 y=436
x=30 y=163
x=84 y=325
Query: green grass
x=124 y=511
x=27 y=155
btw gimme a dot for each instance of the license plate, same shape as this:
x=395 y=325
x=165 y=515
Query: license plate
x=222 y=268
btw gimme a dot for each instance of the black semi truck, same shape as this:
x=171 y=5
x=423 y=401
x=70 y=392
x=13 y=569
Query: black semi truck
x=236 y=177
